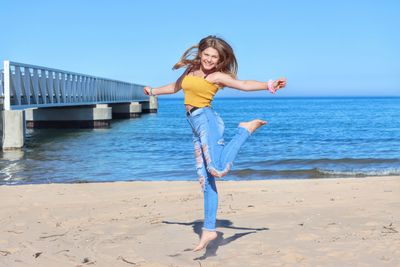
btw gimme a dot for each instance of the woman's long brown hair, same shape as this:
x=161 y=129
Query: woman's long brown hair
x=191 y=58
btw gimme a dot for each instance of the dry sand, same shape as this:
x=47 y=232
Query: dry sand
x=320 y=222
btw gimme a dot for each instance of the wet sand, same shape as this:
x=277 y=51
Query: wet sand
x=319 y=222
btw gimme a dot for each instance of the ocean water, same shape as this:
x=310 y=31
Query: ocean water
x=305 y=138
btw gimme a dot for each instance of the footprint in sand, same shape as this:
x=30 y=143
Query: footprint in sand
x=306 y=237
x=293 y=257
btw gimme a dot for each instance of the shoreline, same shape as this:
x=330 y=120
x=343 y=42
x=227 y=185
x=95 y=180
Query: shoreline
x=293 y=222
x=194 y=180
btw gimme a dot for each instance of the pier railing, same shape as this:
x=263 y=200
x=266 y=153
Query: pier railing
x=28 y=86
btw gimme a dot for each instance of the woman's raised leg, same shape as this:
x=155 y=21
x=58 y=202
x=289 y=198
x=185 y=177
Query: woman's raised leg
x=231 y=149
x=219 y=157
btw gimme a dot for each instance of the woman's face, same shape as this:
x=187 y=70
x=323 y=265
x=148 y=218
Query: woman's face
x=209 y=58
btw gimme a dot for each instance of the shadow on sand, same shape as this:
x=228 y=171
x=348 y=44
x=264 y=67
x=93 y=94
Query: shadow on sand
x=213 y=246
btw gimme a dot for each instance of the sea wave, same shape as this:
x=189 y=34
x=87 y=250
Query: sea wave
x=362 y=173
x=249 y=173
x=324 y=161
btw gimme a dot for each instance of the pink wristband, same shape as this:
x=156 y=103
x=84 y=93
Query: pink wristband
x=270 y=86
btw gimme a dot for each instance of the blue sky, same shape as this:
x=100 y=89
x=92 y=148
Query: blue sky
x=324 y=48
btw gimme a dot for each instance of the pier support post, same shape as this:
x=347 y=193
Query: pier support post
x=97 y=116
x=150 y=106
x=13 y=129
x=126 y=110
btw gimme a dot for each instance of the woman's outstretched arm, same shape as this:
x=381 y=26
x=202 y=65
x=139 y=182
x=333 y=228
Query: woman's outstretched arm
x=249 y=85
x=163 y=90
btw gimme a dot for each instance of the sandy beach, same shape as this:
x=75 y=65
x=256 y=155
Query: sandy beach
x=319 y=222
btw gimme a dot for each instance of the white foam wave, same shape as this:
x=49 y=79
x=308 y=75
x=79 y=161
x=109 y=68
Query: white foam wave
x=370 y=172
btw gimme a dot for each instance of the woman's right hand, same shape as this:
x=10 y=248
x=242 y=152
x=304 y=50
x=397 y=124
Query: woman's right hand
x=147 y=90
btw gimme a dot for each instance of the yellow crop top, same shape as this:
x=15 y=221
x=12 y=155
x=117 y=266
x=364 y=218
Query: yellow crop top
x=198 y=92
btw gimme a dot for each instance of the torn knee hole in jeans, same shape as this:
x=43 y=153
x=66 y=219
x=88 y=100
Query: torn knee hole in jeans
x=202 y=181
x=206 y=154
x=198 y=156
x=221 y=142
x=220 y=174
x=213 y=171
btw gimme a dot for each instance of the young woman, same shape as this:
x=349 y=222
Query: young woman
x=212 y=65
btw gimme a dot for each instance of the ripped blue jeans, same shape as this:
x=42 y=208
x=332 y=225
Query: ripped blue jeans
x=213 y=157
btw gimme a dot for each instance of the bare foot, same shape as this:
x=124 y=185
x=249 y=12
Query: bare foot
x=253 y=125
x=206 y=237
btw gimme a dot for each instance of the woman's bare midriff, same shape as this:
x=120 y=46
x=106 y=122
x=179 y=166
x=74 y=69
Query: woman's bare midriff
x=188 y=107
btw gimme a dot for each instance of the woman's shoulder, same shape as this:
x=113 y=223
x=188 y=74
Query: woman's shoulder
x=216 y=78
x=221 y=75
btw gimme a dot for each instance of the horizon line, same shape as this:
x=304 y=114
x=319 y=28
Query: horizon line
x=270 y=97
